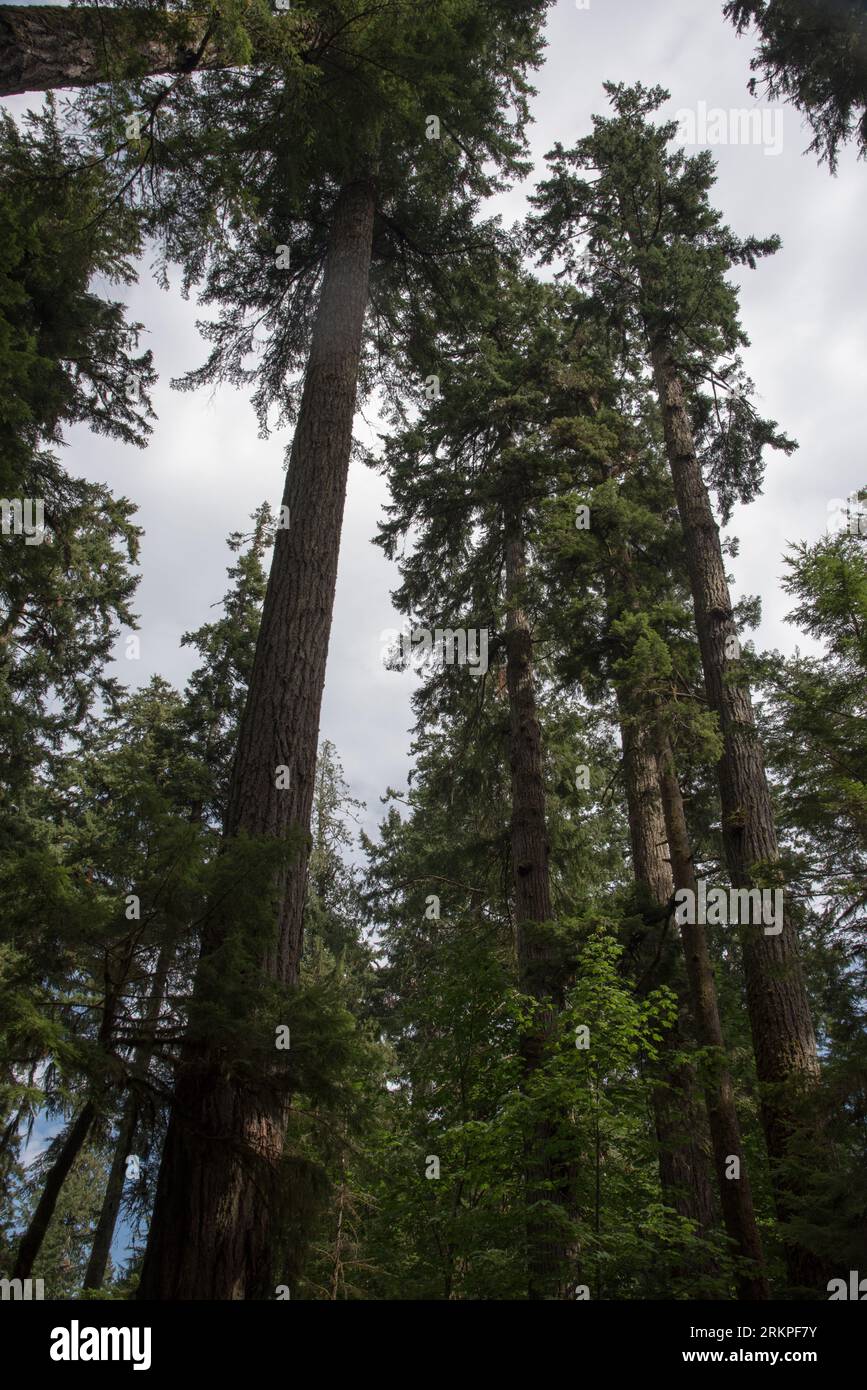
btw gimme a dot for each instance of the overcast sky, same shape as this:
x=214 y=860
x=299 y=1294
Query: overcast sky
x=206 y=470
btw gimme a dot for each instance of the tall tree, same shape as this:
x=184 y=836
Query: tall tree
x=657 y=254
x=469 y=477
x=470 y=480
x=210 y=1233
x=618 y=587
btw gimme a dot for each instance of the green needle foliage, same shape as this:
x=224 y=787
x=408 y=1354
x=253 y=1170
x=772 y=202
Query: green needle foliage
x=814 y=53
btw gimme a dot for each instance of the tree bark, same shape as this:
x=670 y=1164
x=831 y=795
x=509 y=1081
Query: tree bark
x=217 y=1207
x=31 y=1241
x=663 y=858
x=684 y=1168
x=777 y=1002
x=48 y=46
x=540 y=974
x=735 y=1193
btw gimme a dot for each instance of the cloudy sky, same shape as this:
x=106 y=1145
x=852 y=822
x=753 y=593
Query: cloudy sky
x=206 y=470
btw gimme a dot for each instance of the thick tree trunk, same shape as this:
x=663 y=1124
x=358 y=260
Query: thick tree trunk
x=735 y=1192
x=684 y=1167
x=47 y=46
x=681 y=1127
x=539 y=972
x=280 y=724
x=650 y=863
x=104 y=1234
x=779 y=1009
x=31 y=1241
x=216 y=1212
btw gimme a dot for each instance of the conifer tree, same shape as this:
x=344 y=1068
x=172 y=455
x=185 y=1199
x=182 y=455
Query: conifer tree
x=67 y=354
x=213 y=700
x=520 y=370
x=124 y=867
x=813 y=719
x=349 y=199
x=616 y=598
x=657 y=255
x=491 y=403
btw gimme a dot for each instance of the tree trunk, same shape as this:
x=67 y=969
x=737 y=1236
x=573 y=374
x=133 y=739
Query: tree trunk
x=540 y=973
x=104 y=1234
x=76 y=1135
x=280 y=724
x=529 y=833
x=735 y=1192
x=47 y=46
x=656 y=784
x=684 y=1168
x=779 y=1009
x=31 y=1241
x=650 y=863
x=216 y=1213
x=681 y=1127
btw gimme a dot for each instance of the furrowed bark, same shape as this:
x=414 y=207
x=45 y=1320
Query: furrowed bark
x=779 y=1010
x=538 y=972
x=681 y=1127
x=213 y=1229
x=280 y=724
